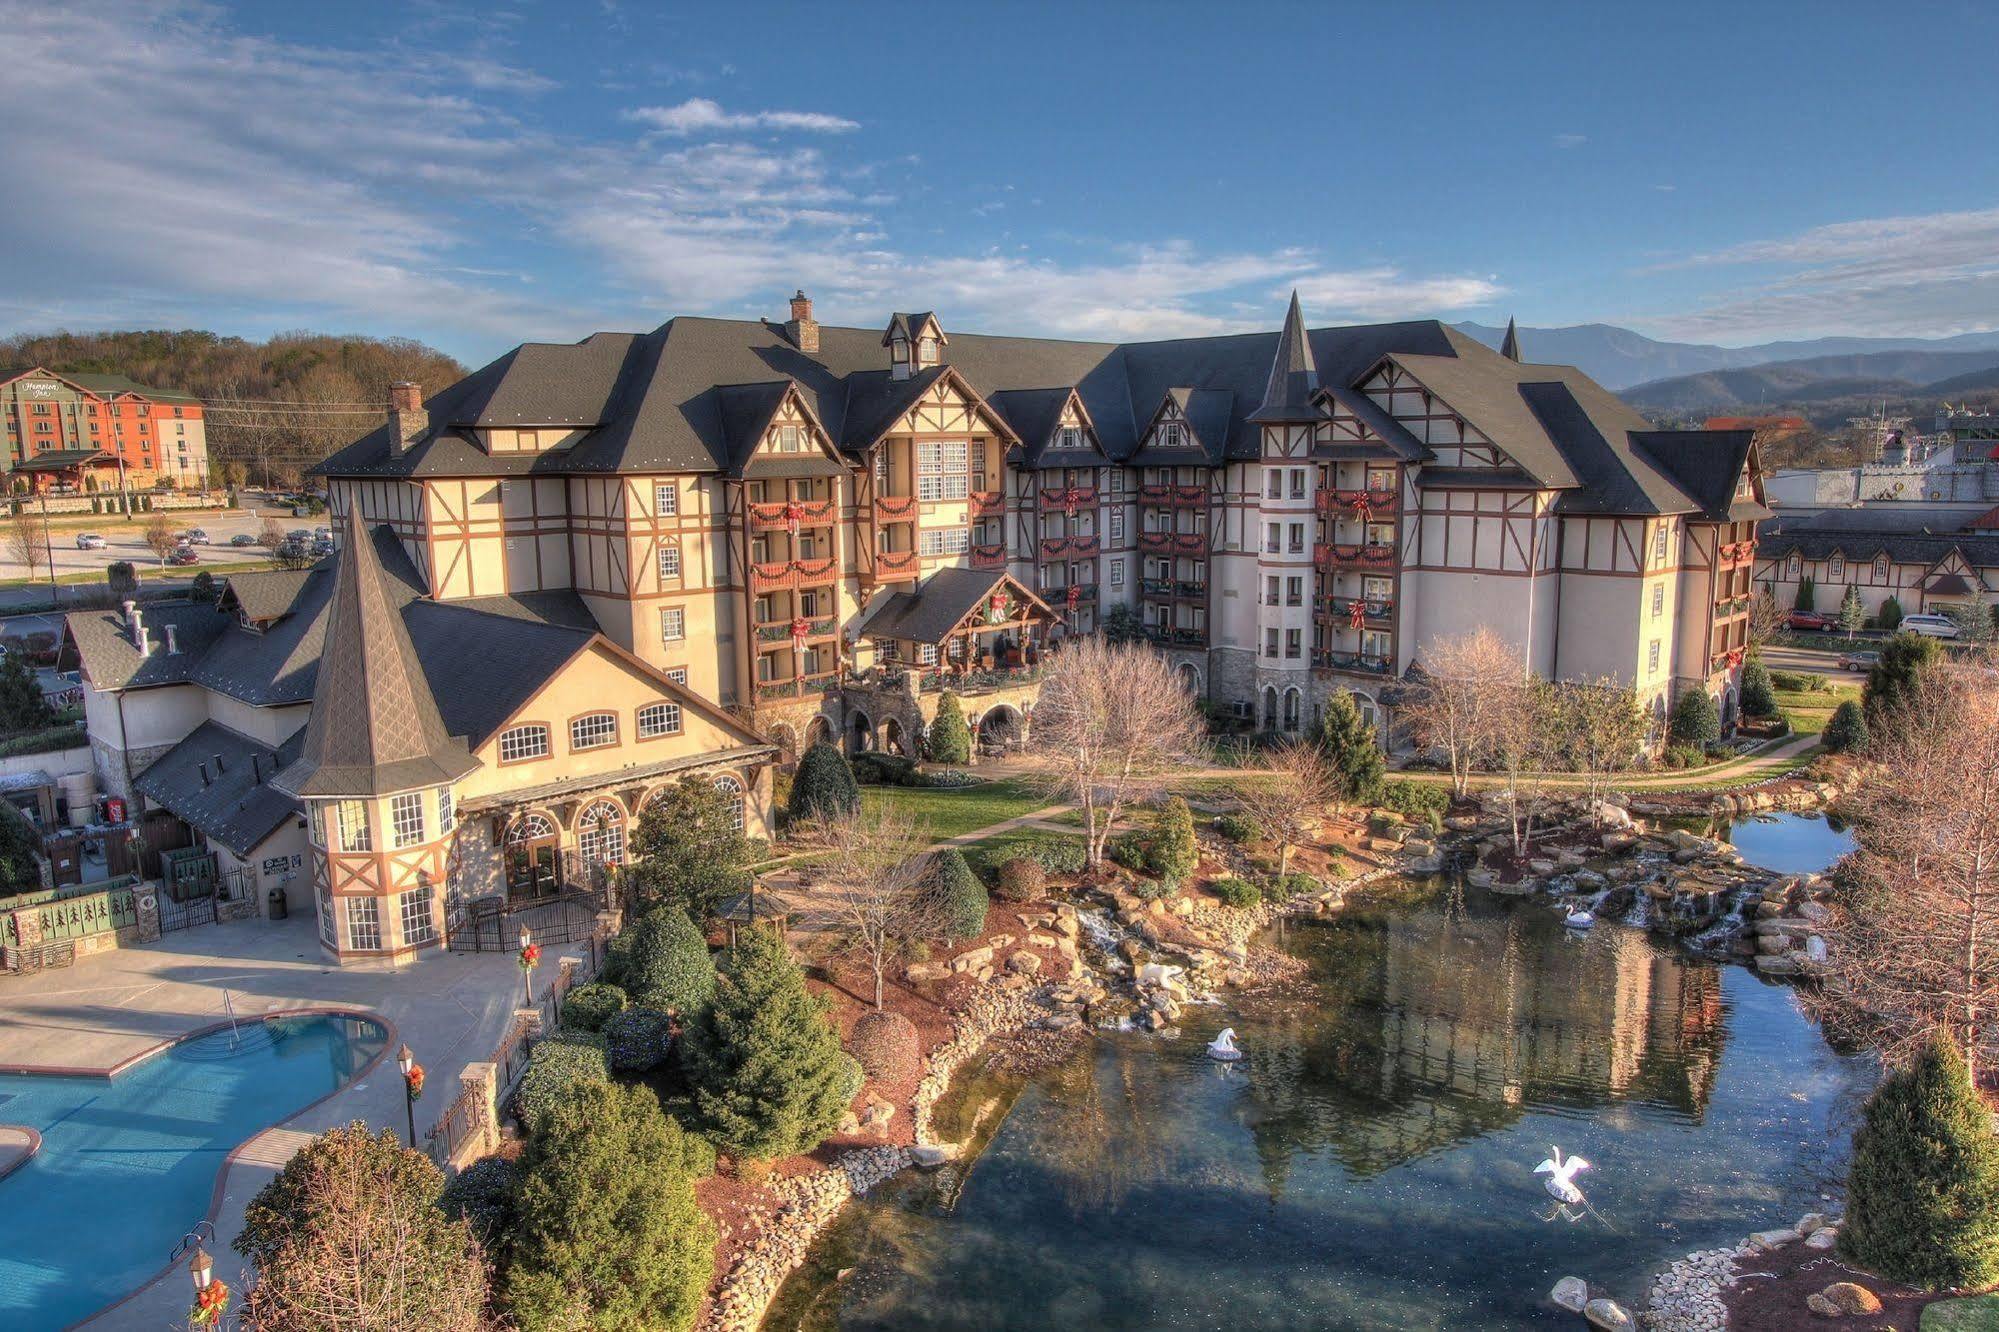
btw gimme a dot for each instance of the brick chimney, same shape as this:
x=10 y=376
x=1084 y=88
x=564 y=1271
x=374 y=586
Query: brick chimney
x=407 y=419
x=803 y=328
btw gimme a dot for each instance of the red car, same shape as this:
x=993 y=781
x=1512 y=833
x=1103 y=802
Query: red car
x=1808 y=620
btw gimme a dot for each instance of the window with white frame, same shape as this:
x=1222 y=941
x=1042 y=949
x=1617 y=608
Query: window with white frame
x=1652 y=658
x=669 y=563
x=317 y=812
x=1117 y=526
x=600 y=834
x=352 y=815
x=364 y=925
x=944 y=541
x=329 y=933
x=666 y=499
x=1270 y=584
x=1880 y=568
x=1069 y=437
x=1794 y=566
x=730 y=787
x=1294 y=591
x=926 y=654
x=1274 y=483
x=790 y=439
x=1659 y=544
x=594 y=730
x=1297 y=483
x=415 y=910
x=672 y=624
x=1117 y=573
x=1297 y=538
x=1293 y=644
x=524 y=742
x=926 y=351
x=1172 y=434
x=1273 y=538
x=447 y=814
x=406 y=818
x=657 y=719
x=1270 y=642
x=1836 y=567
x=677 y=674
x=940 y=469
x=1658 y=600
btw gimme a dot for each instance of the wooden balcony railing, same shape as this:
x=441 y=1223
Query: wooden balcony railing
x=1355 y=611
x=1055 y=548
x=1177 y=637
x=1071 y=498
x=790 y=515
x=989 y=557
x=895 y=508
x=785 y=575
x=799 y=686
x=1155 y=587
x=1074 y=594
x=1367 y=663
x=1178 y=497
x=1360 y=504
x=893 y=566
x=1737 y=552
x=1191 y=589
x=1341 y=556
x=800 y=629
x=987 y=503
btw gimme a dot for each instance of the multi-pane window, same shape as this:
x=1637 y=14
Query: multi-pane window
x=1297 y=483
x=1794 y=566
x=656 y=719
x=600 y=835
x=926 y=654
x=1659 y=544
x=1117 y=573
x=1836 y=567
x=352 y=816
x=418 y=927
x=669 y=563
x=1658 y=600
x=926 y=351
x=940 y=469
x=1070 y=437
x=524 y=742
x=406 y=818
x=666 y=499
x=1172 y=434
x=1117 y=527
x=594 y=730
x=1270 y=589
x=447 y=816
x=944 y=541
x=1297 y=538
x=678 y=675
x=1272 y=538
x=1294 y=591
x=790 y=439
x=672 y=624
x=729 y=786
x=1652 y=658
x=364 y=925
x=318 y=814
x=1270 y=642
x=329 y=932
x=1293 y=643
x=1880 y=568
x=1274 y=483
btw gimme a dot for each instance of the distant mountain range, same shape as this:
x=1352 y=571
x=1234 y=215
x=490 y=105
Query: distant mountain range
x=1618 y=358
x=1901 y=376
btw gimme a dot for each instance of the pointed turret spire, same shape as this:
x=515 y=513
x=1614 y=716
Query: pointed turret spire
x=1509 y=346
x=1293 y=377
x=374 y=727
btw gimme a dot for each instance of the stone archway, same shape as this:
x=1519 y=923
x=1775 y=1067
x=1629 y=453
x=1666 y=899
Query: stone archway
x=785 y=736
x=1294 y=708
x=1189 y=676
x=818 y=731
x=1000 y=729
x=860 y=733
x=1270 y=707
x=889 y=736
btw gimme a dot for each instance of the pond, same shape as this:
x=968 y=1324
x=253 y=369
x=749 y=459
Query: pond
x=1370 y=1163
x=1791 y=843
x=128 y=1164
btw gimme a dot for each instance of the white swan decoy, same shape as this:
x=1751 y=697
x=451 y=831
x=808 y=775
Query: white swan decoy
x=1223 y=1047
x=1576 y=919
x=1561 y=1173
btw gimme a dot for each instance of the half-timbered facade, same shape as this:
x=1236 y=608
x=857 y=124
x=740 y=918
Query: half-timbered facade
x=1284 y=514
x=1931 y=560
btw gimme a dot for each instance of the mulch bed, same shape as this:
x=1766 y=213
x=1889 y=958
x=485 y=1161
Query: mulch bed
x=1770 y=1289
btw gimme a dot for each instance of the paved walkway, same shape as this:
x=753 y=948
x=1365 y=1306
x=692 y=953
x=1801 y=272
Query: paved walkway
x=1767 y=762
x=451 y=1008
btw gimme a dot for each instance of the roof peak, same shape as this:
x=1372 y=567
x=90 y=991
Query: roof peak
x=1509 y=346
x=1293 y=376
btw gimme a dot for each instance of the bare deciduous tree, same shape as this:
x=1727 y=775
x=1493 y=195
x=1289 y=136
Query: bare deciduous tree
x=1291 y=790
x=1915 y=943
x=161 y=537
x=877 y=874
x=1466 y=679
x=1111 y=722
x=1599 y=729
x=270 y=536
x=28 y=541
x=1524 y=734
x=1766 y=619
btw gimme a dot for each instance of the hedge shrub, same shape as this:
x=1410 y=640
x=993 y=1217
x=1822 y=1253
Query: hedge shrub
x=823 y=786
x=1021 y=879
x=1758 y=698
x=1846 y=732
x=667 y=964
x=484 y=1196
x=960 y=897
x=887 y=1047
x=1172 y=853
x=1694 y=720
x=875 y=768
x=559 y=1065
x=1129 y=851
x=1235 y=828
x=948 y=739
x=638 y=1040
x=1054 y=852
x=1236 y=892
x=1418 y=802
x=587 y=1007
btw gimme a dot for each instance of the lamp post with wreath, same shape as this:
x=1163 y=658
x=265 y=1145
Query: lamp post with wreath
x=530 y=954
x=412 y=1087
x=211 y=1297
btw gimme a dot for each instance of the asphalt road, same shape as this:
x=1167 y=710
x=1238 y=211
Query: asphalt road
x=126 y=541
x=1825 y=661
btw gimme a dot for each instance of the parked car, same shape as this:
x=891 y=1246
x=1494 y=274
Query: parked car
x=1931 y=626
x=242 y=539
x=89 y=541
x=184 y=555
x=1808 y=621
x=290 y=550
x=195 y=536
x=299 y=535
x=1858 y=661
x=322 y=534
x=322 y=548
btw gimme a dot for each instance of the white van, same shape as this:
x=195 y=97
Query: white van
x=1931 y=626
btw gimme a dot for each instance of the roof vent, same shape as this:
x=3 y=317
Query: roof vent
x=135 y=620
x=173 y=648
x=220 y=766
x=202 y=768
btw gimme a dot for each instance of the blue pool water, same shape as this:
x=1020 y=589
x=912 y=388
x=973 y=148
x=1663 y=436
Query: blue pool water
x=128 y=1164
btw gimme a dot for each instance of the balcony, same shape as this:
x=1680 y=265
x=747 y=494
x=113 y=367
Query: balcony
x=894 y=566
x=929 y=679
x=1176 y=637
x=788 y=575
x=987 y=503
x=1155 y=587
x=790 y=515
x=1346 y=556
x=989 y=557
x=1070 y=499
x=1730 y=606
x=1177 y=497
x=801 y=630
x=1358 y=504
x=1737 y=552
x=1074 y=594
x=1362 y=662
x=894 y=508
x=799 y=686
x=1342 y=610
x=1056 y=548
x=1190 y=589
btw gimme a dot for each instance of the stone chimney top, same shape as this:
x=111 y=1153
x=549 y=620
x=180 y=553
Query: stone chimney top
x=803 y=329
x=408 y=421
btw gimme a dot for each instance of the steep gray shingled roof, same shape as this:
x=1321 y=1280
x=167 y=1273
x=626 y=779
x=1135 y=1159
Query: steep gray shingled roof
x=374 y=727
x=1814 y=539
x=111 y=660
x=235 y=804
x=1707 y=464
x=934 y=608
x=1293 y=376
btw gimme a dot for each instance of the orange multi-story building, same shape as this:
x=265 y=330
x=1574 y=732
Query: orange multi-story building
x=159 y=435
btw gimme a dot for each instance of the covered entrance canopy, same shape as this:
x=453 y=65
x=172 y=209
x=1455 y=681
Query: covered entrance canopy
x=963 y=620
x=63 y=467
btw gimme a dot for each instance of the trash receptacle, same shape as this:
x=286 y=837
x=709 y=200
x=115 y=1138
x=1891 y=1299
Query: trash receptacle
x=276 y=898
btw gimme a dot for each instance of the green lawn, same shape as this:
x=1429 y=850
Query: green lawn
x=1000 y=846
x=950 y=812
x=1810 y=710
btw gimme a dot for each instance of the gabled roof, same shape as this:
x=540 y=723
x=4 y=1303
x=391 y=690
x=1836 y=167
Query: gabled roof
x=1707 y=465
x=219 y=781
x=1034 y=415
x=910 y=326
x=747 y=413
x=1294 y=379
x=941 y=601
x=1509 y=346
x=1822 y=535
x=1206 y=415
x=104 y=386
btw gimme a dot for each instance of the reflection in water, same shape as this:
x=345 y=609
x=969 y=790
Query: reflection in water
x=1369 y=1164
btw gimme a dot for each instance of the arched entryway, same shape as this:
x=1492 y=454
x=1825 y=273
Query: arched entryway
x=1294 y=706
x=890 y=737
x=730 y=787
x=785 y=737
x=600 y=836
x=1001 y=729
x=860 y=733
x=818 y=731
x=533 y=857
x=1189 y=676
x=1270 y=708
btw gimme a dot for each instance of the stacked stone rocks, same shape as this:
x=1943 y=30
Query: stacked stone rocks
x=1687 y=1297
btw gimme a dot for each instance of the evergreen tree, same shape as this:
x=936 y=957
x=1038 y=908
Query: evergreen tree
x=1852 y=615
x=688 y=848
x=1889 y=617
x=1173 y=853
x=23 y=706
x=124 y=580
x=765 y=1062
x=1846 y=733
x=608 y=1234
x=948 y=740
x=1893 y=678
x=961 y=899
x=823 y=786
x=1923 y=1192
x=1759 y=698
x=666 y=964
x=1694 y=720
x=1350 y=749
x=1807 y=594
x=1121 y=625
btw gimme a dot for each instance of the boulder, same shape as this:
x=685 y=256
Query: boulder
x=1619 y=842
x=1571 y=1293
x=1771 y=1240
x=1848 y=1298
x=1823 y=1238
x=1024 y=964
x=925 y=971
x=973 y=959
x=1541 y=868
x=1607 y=1315
x=1779 y=965
x=928 y=1156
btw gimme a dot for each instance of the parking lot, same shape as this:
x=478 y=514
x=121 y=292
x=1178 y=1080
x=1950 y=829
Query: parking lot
x=126 y=541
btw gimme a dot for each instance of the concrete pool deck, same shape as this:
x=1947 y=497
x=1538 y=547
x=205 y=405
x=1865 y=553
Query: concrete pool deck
x=452 y=1009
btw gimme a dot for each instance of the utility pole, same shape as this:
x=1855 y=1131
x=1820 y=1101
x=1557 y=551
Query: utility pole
x=48 y=547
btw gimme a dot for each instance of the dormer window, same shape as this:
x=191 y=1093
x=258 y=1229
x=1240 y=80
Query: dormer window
x=1172 y=435
x=790 y=439
x=926 y=351
x=1069 y=437
x=1880 y=568
x=898 y=351
x=1836 y=567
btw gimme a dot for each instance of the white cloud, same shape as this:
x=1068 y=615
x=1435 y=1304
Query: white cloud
x=699 y=115
x=1386 y=293
x=1571 y=140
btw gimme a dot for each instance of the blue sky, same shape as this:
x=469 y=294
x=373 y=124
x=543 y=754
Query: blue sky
x=479 y=175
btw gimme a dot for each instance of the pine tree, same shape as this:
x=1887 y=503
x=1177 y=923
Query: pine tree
x=607 y=1231
x=1807 y=594
x=1889 y=617
x=23 y=706
x=1852 y=615
x=961 y=899
x=1694 y=720
x=1759 y=697
x=1173 y=853
x=1893 y=678
x=1846 y=733
x=948 y=740
x=1923 y=1192
x=1350 y=749
x=764 y=1061
x=666 y=965
x=823 y=786
x=688 y=849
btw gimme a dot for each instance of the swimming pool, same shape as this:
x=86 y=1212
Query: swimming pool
x=129 y=1163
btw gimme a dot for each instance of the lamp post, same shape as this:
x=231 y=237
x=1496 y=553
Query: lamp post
x=412 y=1087
x=530 y=955
x=211 y=1297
